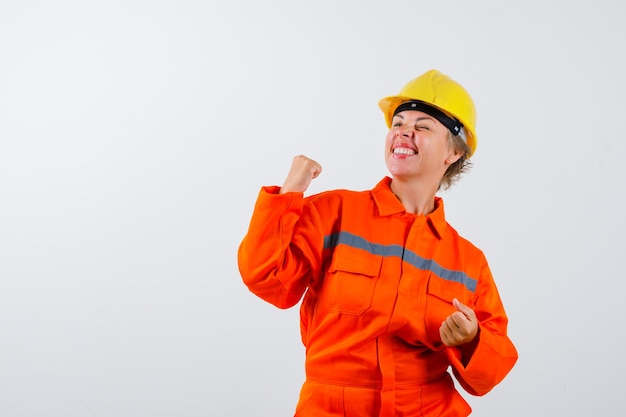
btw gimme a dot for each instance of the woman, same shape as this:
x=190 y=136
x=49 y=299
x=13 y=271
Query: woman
x=393 y=296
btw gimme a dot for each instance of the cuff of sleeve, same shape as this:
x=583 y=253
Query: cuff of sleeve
x=486 y=367
x=269 y=197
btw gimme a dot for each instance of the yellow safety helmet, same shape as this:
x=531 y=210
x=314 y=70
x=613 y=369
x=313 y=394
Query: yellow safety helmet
x=441 y=92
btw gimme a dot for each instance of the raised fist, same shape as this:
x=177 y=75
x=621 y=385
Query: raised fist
x=302 y=172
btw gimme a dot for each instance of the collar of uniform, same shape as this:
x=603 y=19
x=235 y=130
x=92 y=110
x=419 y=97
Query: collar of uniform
x=388 y=204
x=437 y=218
x=386 y=201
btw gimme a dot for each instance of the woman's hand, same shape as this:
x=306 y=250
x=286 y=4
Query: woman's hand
x=460 y=327
x=303 y=171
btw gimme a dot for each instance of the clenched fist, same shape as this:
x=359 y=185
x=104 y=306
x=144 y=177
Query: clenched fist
x=460 y=327
x=302 y=172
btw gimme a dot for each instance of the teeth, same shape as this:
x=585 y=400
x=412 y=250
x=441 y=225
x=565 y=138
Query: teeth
x=403 y=151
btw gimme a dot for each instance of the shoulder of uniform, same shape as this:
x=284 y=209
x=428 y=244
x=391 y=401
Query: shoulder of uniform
x=451 y=233
x=337 y=195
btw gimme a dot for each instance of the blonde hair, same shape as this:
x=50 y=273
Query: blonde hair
x=461 y=166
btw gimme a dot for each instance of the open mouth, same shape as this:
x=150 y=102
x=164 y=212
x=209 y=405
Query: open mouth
x=404 y=151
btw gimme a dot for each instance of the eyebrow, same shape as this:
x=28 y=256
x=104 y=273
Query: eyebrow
x=419 y=119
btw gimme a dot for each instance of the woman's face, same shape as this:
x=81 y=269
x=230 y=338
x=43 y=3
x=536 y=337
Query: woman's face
x=417 y=147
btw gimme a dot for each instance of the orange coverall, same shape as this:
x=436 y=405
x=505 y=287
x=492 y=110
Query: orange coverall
x=377 y=284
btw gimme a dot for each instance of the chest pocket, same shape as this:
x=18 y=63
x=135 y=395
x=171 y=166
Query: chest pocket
x=439 y=296
x=351 y=280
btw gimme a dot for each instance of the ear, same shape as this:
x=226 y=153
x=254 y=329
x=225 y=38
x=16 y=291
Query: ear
x=453 y=156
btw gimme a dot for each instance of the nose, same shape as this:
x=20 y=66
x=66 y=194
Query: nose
x=404 y=131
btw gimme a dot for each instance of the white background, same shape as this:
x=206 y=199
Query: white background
x=135 y=135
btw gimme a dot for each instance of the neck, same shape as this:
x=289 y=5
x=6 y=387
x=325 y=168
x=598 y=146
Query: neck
x=417 y=198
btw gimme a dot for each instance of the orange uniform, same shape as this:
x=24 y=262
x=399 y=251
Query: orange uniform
x=377 y=284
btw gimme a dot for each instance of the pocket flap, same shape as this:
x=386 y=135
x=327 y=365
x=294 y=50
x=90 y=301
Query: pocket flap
x=448 y=290
x=356 y=261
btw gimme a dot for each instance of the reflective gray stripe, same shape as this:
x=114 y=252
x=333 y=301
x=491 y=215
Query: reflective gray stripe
x=412 y=258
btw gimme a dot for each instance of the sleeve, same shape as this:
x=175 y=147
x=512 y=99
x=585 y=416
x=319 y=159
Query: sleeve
x=279 y=254
x=493 y=355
